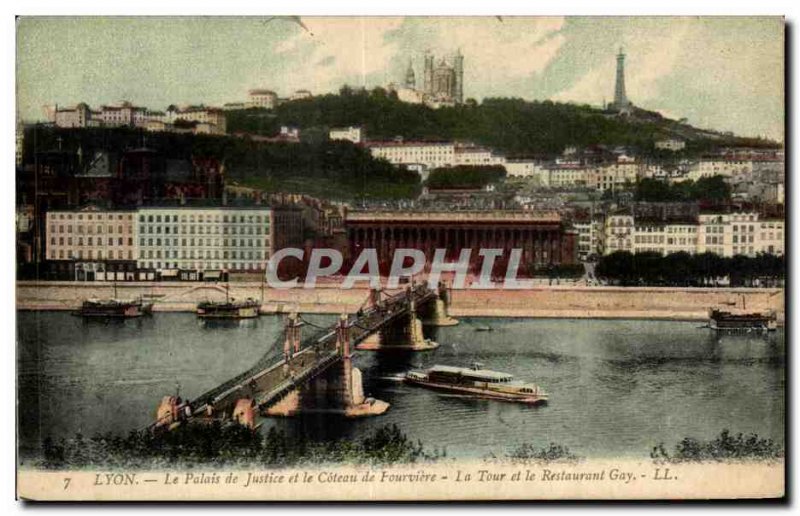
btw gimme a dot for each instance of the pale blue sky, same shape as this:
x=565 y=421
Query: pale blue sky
x=724 y=73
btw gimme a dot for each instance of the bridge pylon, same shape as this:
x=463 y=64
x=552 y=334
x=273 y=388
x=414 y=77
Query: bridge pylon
x=291 y=343
x=403 y=334
x=338 y=390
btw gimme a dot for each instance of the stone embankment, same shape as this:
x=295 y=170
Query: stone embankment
x=545 y=301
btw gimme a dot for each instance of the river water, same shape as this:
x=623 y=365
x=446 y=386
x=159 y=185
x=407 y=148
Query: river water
x=616 y=387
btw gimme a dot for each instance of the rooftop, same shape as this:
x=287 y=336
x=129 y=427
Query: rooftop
x=490 y=215
x=473 y=373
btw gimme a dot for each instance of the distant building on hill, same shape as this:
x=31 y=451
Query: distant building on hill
x=355 y=134
x=260 y=98
x=442 y=82
x=672 y=144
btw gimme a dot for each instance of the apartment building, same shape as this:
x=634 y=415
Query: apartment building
x=204 y=238
x=90 y=234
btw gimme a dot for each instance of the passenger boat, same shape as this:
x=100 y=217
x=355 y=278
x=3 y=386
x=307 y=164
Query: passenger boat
x=478 y=382
x=733 y=321
x=113 y=308
x=229 y=309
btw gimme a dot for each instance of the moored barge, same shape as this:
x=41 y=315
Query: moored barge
x=113 y=308
x=741 y=321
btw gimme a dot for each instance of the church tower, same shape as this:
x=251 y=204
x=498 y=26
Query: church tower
x=411 y=80
x=428 y=74
x=621 y=101
x=458 y=68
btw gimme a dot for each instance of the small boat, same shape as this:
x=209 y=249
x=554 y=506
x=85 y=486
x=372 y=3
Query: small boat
x=742 y=321
x=230 y=309
x=113 y=308
x=478 y=382
x=484 y=328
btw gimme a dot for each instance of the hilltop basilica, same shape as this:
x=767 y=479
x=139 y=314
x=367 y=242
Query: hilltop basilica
x=442 y=82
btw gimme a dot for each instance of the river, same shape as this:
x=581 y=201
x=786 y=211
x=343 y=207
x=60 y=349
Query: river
x=617 y=387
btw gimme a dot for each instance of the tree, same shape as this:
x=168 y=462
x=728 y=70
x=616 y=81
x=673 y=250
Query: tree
x=704 y=189
x=464 y=176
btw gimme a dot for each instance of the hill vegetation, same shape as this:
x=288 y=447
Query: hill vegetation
x=704 y=189
x=465 y=177
x=329 y=169
x=510 y=125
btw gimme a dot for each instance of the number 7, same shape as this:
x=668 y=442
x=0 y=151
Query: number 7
x=67 y=480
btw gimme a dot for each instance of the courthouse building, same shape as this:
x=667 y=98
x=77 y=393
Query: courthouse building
x=541 y=235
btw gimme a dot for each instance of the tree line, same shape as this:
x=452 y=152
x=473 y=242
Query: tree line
x=704 y=189
x=690 y=270
x=465 y=177
x=327 y=169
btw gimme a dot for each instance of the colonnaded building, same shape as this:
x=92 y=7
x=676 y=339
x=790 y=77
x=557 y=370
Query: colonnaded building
x=542 y=236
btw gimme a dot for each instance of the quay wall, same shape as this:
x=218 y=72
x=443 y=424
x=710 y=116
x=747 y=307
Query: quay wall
x=545 y=301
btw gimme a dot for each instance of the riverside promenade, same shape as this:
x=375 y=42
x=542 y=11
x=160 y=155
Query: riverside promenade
x=601 y=302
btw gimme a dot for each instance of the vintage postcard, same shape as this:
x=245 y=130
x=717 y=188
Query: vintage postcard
x=400 y=258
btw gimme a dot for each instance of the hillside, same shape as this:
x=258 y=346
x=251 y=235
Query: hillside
x=333 y=170
x=513 y=126
x=341 y=170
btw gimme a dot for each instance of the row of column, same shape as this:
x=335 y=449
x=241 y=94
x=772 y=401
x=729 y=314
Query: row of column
x=539 y=245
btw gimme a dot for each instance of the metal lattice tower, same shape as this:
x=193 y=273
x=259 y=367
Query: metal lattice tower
x=620 y=98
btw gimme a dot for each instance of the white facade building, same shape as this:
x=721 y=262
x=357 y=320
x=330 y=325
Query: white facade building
x=202 y=239
x=618 y=234
x=672 y=144
x=719 y=167
x=612 y=176
x=472 y=155
x=770 y=236
x=429 y=154
x=725 y=234
x=525 y=168
x=567 y=175
x=260 y=98
x=589 y=237
x=352 y=134
x=664 y=238
x=214 y=117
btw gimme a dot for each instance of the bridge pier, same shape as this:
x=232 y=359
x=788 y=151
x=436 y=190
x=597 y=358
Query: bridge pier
x=405 y=334
x=338 y=390
x=437 y=313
